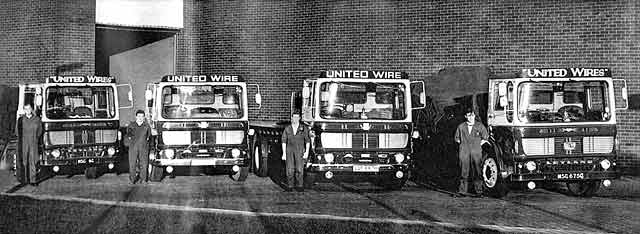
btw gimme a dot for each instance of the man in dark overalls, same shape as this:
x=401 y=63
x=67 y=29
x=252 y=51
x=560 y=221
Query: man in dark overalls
x=140 y=132
x=29 y=132
x=295 y=149
x=470 y=136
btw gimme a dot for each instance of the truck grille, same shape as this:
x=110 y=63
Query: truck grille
x=559 y=145
x=99 y=136
x=597 y=144
x=231 y=137
x=538 y=146
x=364 y=140
x=61 y=137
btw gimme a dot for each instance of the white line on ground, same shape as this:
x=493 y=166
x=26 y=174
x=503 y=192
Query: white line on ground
x=509 y=229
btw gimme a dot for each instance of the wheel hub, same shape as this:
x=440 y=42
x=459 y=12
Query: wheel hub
x=490 y=172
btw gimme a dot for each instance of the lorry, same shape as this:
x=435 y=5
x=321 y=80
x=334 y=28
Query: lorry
x=546 y=125
x=80 y=116
x=199 y=122
x=360 y=125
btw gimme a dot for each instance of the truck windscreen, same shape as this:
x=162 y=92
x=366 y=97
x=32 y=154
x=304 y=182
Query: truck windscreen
x=80 y=102
x=357 y=100
x=202 y=102
x=567 y=101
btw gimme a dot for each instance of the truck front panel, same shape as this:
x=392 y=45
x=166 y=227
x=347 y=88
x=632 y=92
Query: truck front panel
x=361 y=150
x=561 y=153
x=203 y=143
x=80 y=143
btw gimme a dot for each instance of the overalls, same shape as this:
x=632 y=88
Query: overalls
x=470 y=154
x=139 y=150
x=295 y=149
x=31 y=130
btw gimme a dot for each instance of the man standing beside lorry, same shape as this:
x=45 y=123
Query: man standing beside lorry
x=139 y=132
x=470 y=136
x=295 y=149
x=29 y=132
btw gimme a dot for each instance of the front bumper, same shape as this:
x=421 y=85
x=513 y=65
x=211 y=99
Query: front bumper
x=565 y=176
x=356 y=172
x=221 y=162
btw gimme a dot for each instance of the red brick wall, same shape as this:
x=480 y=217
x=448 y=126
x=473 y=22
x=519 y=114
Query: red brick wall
x=279 y=43
x=39 y=35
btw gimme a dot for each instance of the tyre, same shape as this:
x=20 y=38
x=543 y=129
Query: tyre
x=240 y=175
x=583 y=188
x=260 y=163
x=156 y=173
x=494 y=185
x=91 y=172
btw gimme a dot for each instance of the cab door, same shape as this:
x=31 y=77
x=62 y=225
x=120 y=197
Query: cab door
x=30 y=94
x=308 y=100
x=500 y=111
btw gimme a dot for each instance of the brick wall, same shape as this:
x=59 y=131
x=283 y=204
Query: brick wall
x=36 y=37
x=279 y=43
x=39 y=35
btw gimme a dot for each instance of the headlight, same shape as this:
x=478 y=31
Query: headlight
x=251 y=132
x=119 y=135
x=328 y=158
x=605 y=164
x=399 y=157
x=55 y=153
x=111 y=151
x=235 y=153
x=415 y=134
x=531 y=166
x=169 y=153
x=152 y=155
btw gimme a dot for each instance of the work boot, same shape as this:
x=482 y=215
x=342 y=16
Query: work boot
x=463 y=187
x=478 y=186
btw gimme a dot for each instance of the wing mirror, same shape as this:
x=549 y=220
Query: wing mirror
x=258 y=99
x=502 y=90
x=306 y=92
x=148 y=94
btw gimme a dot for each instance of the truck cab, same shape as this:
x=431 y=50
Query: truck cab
x=360 y=124
x=546 y=125
x=199 y=121
x=554 y=125
x=80 y=116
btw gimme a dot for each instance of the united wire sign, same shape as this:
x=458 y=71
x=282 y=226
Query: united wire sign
x=364 y=74
x=565 y=72
x=81 y=79
x=201 y=78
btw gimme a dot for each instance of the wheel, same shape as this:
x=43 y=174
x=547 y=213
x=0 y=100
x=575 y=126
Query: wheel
x=240 y=175
x=493 y=183
x=583 y=188
x=156 y=173
x=91 y=172
x=260 y=164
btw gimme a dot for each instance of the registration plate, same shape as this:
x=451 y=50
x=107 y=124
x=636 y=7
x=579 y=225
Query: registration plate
x=366 y=168
x=80 y=161
x=570 y=176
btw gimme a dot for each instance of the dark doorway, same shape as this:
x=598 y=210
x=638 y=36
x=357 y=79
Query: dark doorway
x=114 y=39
